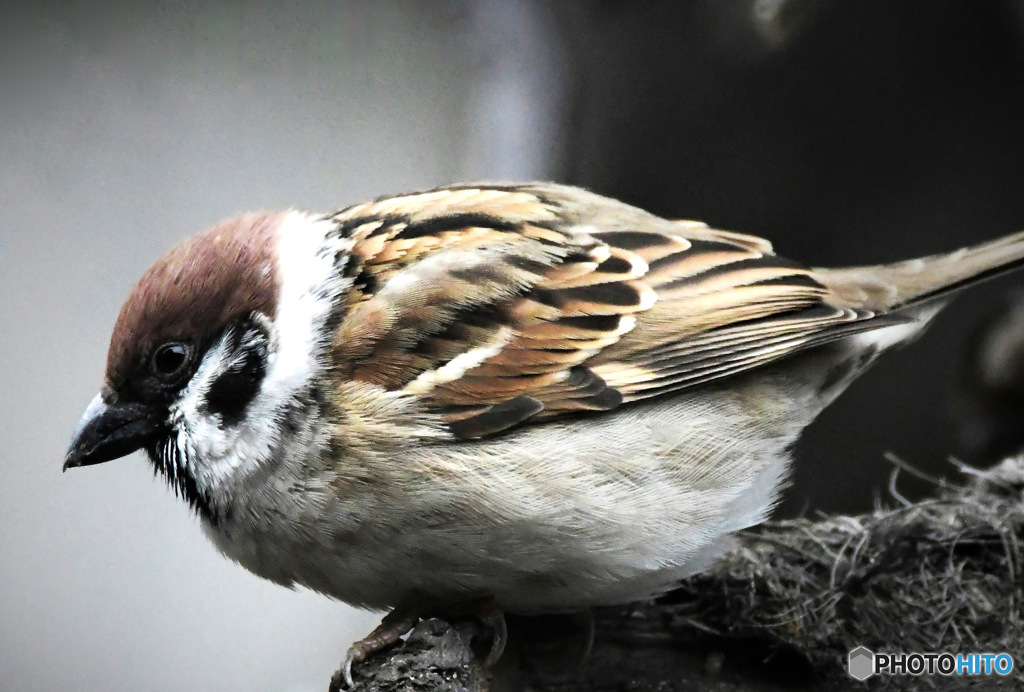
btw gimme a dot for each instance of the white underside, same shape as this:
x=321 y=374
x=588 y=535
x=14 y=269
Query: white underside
x=556 y=517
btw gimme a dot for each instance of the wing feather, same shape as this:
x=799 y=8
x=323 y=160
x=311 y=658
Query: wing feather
x=501 y=305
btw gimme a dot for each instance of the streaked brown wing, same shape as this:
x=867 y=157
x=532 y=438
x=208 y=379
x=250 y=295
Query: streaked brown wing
x=498 y=305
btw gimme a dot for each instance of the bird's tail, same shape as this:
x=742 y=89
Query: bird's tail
x=903 y=286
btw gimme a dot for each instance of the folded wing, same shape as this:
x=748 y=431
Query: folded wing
x=497 y=306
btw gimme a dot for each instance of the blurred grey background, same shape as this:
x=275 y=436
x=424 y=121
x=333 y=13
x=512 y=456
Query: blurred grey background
x=122 y=131
x=845 y=131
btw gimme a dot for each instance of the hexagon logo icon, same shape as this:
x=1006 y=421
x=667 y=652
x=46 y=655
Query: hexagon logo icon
x=862 y=663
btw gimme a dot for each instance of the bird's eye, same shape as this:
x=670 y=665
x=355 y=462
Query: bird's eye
x=170 y=359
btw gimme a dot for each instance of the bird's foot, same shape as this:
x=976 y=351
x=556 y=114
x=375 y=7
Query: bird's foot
x=390 y=630
x=403 y=618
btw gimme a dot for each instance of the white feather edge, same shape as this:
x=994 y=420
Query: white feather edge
x=457 y=366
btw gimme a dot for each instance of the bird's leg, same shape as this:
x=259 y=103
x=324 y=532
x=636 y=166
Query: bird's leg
x=391 y=628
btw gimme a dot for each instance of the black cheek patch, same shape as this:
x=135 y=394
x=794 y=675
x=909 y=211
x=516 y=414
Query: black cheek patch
x=231 y=393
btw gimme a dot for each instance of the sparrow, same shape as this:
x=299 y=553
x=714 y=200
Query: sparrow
x=519 y=398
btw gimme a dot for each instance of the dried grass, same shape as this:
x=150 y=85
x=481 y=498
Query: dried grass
x=944 y=574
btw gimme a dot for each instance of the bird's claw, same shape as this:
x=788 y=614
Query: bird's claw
x=346 y=669
x=390 y=630
x=401 y=620
x=342 y=678
x=495 y=620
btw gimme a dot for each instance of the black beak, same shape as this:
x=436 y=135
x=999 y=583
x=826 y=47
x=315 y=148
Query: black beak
x=110 y=431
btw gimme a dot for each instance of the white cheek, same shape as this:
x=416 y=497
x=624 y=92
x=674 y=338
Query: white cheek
x=310 y=285
x=205 y=440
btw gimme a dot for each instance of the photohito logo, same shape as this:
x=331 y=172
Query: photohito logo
x=863 y=663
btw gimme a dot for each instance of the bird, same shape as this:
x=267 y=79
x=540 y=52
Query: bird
x=489 y=398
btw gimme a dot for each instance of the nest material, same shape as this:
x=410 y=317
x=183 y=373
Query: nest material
x=943 y=574
x=940 y=575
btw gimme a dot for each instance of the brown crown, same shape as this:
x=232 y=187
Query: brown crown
x=196 y=289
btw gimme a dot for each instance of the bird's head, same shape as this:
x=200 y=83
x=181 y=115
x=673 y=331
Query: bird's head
x=219 y=344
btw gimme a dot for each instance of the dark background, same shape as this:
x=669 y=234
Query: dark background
x=875 y=131
x=847 y=132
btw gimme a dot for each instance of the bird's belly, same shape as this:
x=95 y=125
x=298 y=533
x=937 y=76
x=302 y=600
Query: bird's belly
x=568 y=515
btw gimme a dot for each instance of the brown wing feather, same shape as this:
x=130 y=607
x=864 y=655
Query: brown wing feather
x=500 y=305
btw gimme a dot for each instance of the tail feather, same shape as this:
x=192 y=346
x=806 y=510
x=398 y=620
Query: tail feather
x=889 y=287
